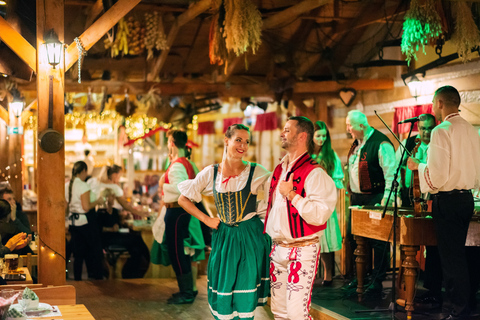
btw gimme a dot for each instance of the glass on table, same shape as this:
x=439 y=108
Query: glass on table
x=23 y=304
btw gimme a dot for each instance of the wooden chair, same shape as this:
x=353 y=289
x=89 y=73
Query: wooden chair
x=60 y=295
x=29 y=260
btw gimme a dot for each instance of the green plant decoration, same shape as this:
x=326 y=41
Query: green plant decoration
x=422 y=26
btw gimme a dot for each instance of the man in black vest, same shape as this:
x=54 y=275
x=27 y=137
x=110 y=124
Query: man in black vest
x=371 y=168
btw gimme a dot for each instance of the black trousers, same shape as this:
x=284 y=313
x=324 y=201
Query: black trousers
x=86 y=247
x=176 y=230
x=381 y=250
x=451 y=216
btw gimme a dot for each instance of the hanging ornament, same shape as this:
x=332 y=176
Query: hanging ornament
x=81 y=53
x=466 y=35
x=238 y=29
x=89 y=106
x=422 y=26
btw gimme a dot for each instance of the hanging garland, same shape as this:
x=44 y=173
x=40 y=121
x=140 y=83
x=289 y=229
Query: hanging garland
x=155 y=37
x=466 y=35
x=422 y=26
x=238 y=28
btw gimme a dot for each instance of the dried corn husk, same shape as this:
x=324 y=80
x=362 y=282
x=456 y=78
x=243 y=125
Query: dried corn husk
x=217 y=50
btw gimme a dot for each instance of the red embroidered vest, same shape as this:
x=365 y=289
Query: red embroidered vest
x=302 y=167
x=188 y=166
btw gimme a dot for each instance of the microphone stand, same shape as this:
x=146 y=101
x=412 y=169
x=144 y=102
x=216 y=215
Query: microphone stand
x=393 y=190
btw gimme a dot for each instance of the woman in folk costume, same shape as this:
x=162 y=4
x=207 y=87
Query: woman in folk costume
x=238 y=267
x=181 y=230
x=329 y=160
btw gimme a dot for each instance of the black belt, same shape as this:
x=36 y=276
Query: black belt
x=449 y=193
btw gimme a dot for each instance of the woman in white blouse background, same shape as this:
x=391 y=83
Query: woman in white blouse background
x=81 y=201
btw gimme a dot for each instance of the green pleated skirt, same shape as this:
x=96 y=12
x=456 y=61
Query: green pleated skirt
x=193 y=243
x=238 y=270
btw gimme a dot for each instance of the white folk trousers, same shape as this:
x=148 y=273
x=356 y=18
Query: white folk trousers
x=292 y=273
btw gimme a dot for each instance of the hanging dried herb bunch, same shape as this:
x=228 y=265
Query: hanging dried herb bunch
x=237 y=28
x=217 y=50
x=422 y=26
x=466 y=35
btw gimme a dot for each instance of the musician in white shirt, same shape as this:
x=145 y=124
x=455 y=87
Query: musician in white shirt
x=451 y=171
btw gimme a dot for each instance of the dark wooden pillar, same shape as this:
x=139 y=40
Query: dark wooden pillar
x=50 y=166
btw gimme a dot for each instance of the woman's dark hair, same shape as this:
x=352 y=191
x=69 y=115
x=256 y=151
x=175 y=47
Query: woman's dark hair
x=78 y=168
x=326 y=156
x=5 y=208
x=233 y=128
x=112 y=170
x=180 y=140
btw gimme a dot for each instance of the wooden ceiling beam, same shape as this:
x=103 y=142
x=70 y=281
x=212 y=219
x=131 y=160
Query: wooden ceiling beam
x=293 y=12
x=95 y=10
x=140 y=6
x=192 y=12
x=98 y=29
x=18 y=44
x=373 y=16
x=369 y=16
x=261 y=89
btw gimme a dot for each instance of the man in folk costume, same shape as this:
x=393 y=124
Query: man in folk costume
x=451 y=172
x=371 y=168
x=302 y=196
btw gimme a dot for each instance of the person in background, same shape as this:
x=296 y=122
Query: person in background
x=433 y=268
x=182 y=233
x=301 y=199
x=329 y=160
x=451 y=172
x=16 y=221
x=237 y=273
x=17 y=241
x=153 y=188
x=81 y=204
x=110 y=221
x=90 y=161
x=371 y=168
x=425 y=128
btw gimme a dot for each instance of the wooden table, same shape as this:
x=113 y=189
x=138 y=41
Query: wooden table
x=412 y=232
x=71 y=312
x=28 y=279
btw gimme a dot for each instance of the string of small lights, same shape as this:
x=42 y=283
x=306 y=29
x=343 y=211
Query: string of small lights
x=54 y=253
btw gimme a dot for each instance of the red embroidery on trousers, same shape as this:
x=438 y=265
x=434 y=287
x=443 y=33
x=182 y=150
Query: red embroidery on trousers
x=294 y=268
x=272 y=273
x=293 y=254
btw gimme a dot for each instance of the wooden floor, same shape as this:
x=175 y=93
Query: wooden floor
x=144 y=299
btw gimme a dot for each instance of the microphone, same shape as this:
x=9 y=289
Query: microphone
x=421 y=117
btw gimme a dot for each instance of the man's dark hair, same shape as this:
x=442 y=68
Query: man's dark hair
x=5 y=208
x=429 y=116
x=305 y=125
x=449 y=96
x=5 y=191
x=86 y=152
